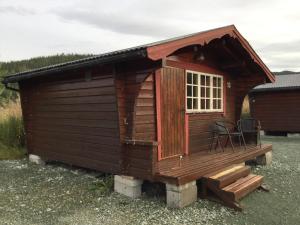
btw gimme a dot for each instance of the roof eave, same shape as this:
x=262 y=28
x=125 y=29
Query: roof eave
x=163 y=50
x=261 y=90
x=140 y=53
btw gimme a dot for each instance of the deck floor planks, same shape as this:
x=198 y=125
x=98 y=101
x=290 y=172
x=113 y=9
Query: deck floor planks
x=197 y=165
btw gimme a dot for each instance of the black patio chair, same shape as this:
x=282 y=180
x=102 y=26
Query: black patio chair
x=250 y=128
x=229 y=130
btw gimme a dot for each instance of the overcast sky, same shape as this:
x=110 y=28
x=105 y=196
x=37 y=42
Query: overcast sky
x=45 y=27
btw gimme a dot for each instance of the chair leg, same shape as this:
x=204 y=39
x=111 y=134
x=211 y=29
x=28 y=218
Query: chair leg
x=230 y=139
x=212 y=143
x=217 y=142
x=226 y=142
x=244 y=142
x=240 y=141
x=220 y=143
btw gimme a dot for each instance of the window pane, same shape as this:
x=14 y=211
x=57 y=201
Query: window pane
x=219 y=82
x=219 y=93
x=215 y=104
x=207 y=103
x=189 y=78
x=207 y=92
x=202 y=80
x=214 y=93
x=195 y=79
x=195 y=91
x=202 y=91
x=195 y=103
x=207 y=81
x=189 y=103
x=202 y=103
x=214 y=81
x=219 y=104
x=189 y=91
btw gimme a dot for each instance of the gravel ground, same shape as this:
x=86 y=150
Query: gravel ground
x=31 y=194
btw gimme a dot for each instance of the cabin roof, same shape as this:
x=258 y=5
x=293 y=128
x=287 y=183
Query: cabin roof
x=154 y=51
x=283 y=82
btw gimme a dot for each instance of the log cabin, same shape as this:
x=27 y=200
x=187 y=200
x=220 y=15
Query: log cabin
x=276 y=105
x=145 y=113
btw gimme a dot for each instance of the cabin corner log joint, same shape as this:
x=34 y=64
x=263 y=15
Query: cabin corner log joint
x=146 y=111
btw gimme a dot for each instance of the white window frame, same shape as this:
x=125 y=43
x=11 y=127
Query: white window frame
x=211 y=76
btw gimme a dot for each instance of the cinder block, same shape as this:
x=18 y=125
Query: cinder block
x=265 y=159
x=128 y=186
x=36 y=159
x=182 y=195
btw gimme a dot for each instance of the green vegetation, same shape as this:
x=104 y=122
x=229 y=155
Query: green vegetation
x=103 y=186
x=12 y=135
x=11 y=152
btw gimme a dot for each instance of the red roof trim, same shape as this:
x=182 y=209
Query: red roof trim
x=160 y=51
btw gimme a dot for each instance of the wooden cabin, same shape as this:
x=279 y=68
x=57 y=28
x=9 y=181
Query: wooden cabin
x=276 y=105
x=144 y=112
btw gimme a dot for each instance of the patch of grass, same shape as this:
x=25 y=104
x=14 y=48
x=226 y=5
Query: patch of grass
x=11 y=152
x=103 y=186
x=12 y=134
x=12 y=131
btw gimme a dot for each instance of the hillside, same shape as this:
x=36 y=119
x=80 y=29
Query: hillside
x=285 y=72
x=12 y=67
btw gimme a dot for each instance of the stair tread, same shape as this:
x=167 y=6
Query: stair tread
x=235 y=185
x=239 y=182
x=243 y=186
x=220 y=173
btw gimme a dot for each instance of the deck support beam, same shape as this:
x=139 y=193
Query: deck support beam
x=129 y=186
x=182 y=195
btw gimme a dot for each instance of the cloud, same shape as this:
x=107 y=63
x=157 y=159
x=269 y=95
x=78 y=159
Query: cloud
x=17 y=10
x=271 y=26
x=124 y=23
x=280 y=47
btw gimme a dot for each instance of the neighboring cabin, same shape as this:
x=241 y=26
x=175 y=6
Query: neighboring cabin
x=144 y=112
x=277 y=105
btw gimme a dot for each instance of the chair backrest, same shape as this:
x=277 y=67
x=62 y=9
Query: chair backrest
x=248 y=125
x=220 y=127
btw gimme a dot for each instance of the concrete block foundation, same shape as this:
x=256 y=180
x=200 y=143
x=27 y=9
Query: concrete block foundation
x=36 y=159
x=128 y=186
x=265 y=159
x=181 y=196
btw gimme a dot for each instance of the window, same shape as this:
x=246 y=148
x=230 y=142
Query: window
x=204 y=92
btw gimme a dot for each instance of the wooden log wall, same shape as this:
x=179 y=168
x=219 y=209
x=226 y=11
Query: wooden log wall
x=137 y=118
x=73 y=118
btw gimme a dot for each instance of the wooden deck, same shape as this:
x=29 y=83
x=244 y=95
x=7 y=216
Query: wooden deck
x=195 y=166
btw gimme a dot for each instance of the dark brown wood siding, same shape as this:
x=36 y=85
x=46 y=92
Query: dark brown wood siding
x=277 y=111
x=73 y=118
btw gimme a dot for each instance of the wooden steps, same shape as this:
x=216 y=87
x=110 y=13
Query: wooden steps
x=230 y=184
x=243 y=186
